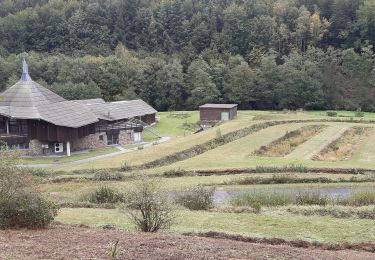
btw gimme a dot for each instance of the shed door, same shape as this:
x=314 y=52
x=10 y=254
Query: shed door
x=224 y=116
x=137 y=137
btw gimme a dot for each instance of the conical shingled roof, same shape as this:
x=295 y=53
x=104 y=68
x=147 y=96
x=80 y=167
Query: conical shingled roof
x=27 y=93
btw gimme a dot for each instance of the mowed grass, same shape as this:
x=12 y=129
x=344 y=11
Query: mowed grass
x=237 y=154
x=172 y=123
x=175 y=145
x=291 y=227
x=73 y=157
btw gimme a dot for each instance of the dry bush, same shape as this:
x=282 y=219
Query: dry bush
x=148 y=208
x=197 y=198
x=21 y=204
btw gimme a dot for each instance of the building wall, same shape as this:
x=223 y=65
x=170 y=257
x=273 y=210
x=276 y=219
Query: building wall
x=35 y=148
x=149 y=119
x=126 y=137
x=90 y=142
x=93 y=141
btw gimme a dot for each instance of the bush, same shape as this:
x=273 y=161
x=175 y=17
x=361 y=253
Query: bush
x=362 y=198
x=26 y=210
x=249 y=199
x=367 y=212
x=104 y=194
x=359 y=113
x=176 y=173
x=105 y=175
x=281 y=169
x=332 y=113
x=197 y=198
x=125 y=167
x=21 y=205
x=148 y=208
x=312 y=198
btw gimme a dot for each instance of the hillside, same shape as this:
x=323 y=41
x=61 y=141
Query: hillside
x=178 y=54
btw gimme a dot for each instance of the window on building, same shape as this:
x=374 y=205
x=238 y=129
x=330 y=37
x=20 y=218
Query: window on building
x=20 y=146
x=13 y=126
x=101 y=137
x=129 y=135
x=3 y=128
x=112 y=139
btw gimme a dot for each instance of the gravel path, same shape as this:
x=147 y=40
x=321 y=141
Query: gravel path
x=94 y=158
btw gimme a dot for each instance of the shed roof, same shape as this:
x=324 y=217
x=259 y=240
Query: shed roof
x=218 y=105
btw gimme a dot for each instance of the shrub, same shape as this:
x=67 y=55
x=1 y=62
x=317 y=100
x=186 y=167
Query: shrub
x=176 y=173
x=359 y=113
x=367 y=212
x=148 y=208
x=249 y=199
x=21 y=205
x=39 y=172
x=125 y=167
x=332 y=113
x=281 y=169
x=26 y=210
x=257 y=207
x=104 y=194
x=311 y=198
x=197 y=198
x=105 y=175
x=362 y=198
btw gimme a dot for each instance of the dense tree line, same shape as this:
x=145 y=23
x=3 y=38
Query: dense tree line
x=178 y=54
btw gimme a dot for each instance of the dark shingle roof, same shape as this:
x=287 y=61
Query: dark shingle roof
x=121 y=109
x=29 y=100
x=67 y=113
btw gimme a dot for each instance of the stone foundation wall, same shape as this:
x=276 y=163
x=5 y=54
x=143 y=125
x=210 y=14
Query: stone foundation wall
x=90 y=142
x=35 y=148
x=125 y=137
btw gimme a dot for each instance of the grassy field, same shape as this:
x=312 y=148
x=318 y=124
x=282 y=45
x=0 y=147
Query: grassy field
x=324 y=229
x=73 y=157
x=238 y=153
x=235 y=153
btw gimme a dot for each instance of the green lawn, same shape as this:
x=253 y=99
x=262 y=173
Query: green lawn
x=73 y=157
x=238 y=153
x=172 y=123
x=291 y=227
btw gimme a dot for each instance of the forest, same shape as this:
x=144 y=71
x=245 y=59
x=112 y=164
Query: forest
x=179 y=54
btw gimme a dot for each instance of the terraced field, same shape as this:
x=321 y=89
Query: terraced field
x=225 y=154
x=238 y=153
x=317 y=143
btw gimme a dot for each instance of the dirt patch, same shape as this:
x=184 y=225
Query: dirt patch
x=286 y=144
x=345 y=146
x=364 y=246
x=79 y=242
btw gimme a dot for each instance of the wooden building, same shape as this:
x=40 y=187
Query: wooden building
x=217 y=112
x=38 y=121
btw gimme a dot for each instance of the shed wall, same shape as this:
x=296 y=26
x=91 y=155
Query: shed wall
x=214 y=114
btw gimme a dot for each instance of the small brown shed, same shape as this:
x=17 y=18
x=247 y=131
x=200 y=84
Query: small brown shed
x=218 y=112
